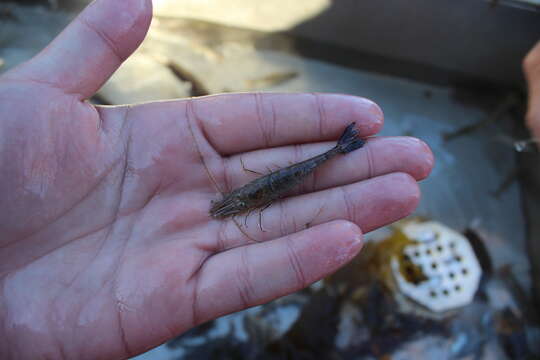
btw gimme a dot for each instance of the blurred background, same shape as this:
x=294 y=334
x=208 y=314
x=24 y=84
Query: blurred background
x=458 y=280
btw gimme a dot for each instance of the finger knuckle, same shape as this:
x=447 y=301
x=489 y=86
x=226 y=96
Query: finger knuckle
x=296 y=265
x=244 y=284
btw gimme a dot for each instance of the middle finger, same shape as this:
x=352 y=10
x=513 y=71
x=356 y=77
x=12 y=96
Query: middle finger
x=380 y=156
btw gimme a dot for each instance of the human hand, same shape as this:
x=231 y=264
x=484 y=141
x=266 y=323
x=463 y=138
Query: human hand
x=106 y=246
x=531 y=67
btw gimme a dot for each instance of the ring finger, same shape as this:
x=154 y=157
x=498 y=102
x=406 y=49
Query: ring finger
x=370 y=204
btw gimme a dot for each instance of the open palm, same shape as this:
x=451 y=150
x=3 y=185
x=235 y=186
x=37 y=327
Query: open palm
x=106 y=245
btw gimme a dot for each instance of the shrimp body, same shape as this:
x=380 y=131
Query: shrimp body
x=263 y=191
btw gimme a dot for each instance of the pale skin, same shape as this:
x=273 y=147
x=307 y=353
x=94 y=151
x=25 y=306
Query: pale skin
x=107 y=248
x=531 y=68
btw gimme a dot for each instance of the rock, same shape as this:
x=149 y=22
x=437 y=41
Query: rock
x=429 y=347
x=277 y=15
x=217 y=58
x=142 y=78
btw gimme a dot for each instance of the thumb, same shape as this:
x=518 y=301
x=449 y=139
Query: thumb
x=91 y=48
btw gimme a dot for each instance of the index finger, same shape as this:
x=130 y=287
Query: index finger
x=236 y=123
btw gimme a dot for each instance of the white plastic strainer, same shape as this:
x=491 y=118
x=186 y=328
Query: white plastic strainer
x=448 y=266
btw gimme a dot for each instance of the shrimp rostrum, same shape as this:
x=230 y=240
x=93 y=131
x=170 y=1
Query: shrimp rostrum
x=264 y=190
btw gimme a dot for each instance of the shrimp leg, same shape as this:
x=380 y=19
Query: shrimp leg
x=260 y=215
x=242 y=230
x=256 y=172
x=245 y=219
x=248 y=170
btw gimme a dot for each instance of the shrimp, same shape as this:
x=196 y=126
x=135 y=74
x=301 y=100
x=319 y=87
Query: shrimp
x=263 y=191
